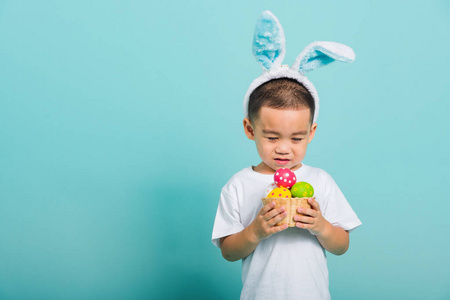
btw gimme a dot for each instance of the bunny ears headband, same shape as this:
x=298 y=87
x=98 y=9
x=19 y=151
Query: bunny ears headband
x=269 y=50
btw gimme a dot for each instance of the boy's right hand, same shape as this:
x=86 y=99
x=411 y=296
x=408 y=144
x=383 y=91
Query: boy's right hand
x=264 y=225
x=241 y=244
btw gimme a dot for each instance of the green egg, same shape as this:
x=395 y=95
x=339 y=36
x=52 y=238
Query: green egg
x=302 y=189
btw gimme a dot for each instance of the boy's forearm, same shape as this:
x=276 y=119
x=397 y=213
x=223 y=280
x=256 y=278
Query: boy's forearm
x=334 y=239
x=239 y=245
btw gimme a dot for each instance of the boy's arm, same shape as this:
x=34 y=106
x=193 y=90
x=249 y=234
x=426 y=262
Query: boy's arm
x=242 y=244
x=334 y=239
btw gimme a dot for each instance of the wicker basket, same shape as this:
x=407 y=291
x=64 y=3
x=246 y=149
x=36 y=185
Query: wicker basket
x=291 y=205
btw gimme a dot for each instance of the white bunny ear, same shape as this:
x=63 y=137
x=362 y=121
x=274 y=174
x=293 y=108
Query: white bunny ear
x=269 y=42
x=319 y=54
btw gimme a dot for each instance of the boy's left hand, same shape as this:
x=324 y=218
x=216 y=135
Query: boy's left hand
x=312 y=219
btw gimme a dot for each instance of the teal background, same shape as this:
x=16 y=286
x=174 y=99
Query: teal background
x=120 y=121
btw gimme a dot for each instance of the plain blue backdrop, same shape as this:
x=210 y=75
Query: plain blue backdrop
x=120 y=121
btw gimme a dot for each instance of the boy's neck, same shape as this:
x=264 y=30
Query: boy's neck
x=265 y=169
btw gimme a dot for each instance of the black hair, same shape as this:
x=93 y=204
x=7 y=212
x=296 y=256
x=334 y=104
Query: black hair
x=280 y=93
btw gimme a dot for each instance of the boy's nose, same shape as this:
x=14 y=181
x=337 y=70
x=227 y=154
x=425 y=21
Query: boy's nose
x=282 y=149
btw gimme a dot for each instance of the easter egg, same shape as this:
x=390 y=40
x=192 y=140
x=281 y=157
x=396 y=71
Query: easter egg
x=284 y=177
x=280 y=192
x=270 y=188
x=302 y=189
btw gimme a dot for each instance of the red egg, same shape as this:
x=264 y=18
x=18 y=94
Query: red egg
x=285 y=177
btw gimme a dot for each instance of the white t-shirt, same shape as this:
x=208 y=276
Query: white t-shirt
x=290 y=264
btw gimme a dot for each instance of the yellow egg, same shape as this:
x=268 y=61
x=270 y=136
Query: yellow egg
x=302 y=189
x=280 y=192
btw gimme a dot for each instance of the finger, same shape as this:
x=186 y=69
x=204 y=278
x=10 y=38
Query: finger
x=274 y=212
x=276 y=229
x=307 y=212
x=314 y=204
x=304 y=219
x=303 y=225
x=273 y=221
x=267 y=207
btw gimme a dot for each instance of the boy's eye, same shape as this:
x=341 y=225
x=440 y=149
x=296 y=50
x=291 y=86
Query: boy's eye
x=272 y=139
x=297 y=140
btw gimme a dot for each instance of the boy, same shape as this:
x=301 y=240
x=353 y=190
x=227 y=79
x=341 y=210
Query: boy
x=280 y=262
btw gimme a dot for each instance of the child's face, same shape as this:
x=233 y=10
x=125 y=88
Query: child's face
x=281 y=137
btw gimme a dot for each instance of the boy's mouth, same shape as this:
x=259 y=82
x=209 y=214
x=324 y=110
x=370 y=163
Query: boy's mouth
x=282 y=161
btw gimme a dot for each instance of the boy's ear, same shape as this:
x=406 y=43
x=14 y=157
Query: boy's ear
x=248 y=129
x=312 y=132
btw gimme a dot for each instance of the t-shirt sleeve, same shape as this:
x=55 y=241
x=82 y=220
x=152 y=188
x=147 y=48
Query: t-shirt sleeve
x=228 y=220
x=337 y=210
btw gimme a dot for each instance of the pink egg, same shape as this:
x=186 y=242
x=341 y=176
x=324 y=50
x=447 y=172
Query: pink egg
x=285 y=177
